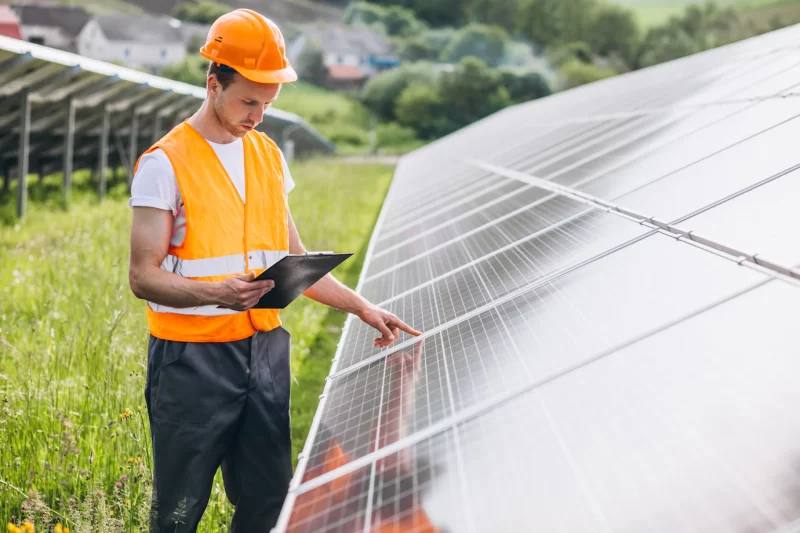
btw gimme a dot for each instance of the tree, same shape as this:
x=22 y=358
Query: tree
x=417 y=48
x=561 y=55
x=192 y=70
x=393 y=20
x=614 y=32
x=439 y=13
x=577 y=73
x=423 y=109
x=524 y=85
x=698 y=28
x=204 y=11
x=311 y=63
x=400 y=21
x=473 y=91
x=501 y=13
x=541 y=21
x=381 y=92
x=487 y=43
x=577 y=17
x=364 y=13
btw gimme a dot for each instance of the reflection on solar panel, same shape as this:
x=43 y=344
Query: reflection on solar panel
x=606 y=281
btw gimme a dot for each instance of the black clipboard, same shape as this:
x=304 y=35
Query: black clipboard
x=294 y=274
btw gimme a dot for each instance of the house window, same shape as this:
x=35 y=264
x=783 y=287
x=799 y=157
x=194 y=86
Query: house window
x=37 y=40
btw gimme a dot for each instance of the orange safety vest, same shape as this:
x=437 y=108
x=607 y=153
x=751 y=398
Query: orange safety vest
x=224 y=236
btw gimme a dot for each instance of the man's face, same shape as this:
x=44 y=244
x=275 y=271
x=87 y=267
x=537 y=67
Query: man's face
x=240 y=107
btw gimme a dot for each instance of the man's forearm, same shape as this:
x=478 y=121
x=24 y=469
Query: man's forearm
x=165 y=288
x=331 y=292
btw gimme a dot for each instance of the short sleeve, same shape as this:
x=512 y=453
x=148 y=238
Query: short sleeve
x=288 y=181
x=154 y=184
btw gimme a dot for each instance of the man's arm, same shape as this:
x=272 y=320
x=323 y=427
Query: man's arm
x=150 y=234
x=331 y=292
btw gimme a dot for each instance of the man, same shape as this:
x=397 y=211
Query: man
x=210 y=213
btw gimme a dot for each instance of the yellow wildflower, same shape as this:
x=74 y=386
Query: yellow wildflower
x=28 y=527
x=58 y=528
x=12 y=528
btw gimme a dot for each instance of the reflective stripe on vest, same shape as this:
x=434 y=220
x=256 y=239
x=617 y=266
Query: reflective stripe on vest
x=221 y=266
x=214 y=266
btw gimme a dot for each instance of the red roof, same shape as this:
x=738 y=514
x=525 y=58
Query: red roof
x=9 y=23
x=345 y=72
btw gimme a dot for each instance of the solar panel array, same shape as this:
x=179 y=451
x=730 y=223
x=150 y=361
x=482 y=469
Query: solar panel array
x=606 y=284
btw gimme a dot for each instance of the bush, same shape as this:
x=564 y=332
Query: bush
x=473 y=91
x=392 y=20
x=381 y=92
x=204 y=11
x=192 y=70
x=561 y=55
x=311 y=63
x=614 y=32
x=524 y=85
x=577 y=73
x=417 y=48
x=439 y=38
x=363 y=12
x=348 y=134
x=393 y=134
x=423 y=109
x=487 y=43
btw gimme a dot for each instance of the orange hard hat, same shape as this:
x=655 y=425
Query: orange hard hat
x=251 y=44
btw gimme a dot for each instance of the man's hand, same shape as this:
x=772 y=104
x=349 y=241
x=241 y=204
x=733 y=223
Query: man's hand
x=387 y=323
x=241 y=293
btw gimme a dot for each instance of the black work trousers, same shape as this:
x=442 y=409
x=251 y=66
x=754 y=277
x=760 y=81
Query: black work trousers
x=219 y=404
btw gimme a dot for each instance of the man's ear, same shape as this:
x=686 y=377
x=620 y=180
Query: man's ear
x=213 y=84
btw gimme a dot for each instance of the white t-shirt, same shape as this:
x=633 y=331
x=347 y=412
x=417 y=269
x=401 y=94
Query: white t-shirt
x=155 y=185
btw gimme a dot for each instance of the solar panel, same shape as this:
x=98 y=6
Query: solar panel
x=607 y=285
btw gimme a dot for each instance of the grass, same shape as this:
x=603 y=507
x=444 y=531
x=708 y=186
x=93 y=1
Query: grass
x=98 y=7
x=73 y=347
x=337 y=116
x=652 y=13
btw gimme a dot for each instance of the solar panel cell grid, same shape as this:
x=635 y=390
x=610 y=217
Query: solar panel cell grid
x=536 y=335
x=580 y=371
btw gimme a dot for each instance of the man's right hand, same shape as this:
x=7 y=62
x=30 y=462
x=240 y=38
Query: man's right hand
x=241 y=293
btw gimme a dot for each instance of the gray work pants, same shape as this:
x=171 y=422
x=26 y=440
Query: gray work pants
x=219 y=404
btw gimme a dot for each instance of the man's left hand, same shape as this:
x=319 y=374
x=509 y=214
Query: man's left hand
x=387 y=323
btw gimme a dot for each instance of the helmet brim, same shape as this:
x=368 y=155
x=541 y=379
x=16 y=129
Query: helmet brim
x=286 y=75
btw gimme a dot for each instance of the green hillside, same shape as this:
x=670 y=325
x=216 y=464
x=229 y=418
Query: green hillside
x=652 y=12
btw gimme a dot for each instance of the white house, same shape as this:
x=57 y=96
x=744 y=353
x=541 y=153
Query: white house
x=55 y=25
x=350 y=54
x=139 y=41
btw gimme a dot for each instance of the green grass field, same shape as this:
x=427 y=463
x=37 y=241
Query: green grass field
x=654 y=12
x=73 y=348
x=338 y=117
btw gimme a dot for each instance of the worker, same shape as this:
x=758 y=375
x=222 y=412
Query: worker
x=210 y=213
